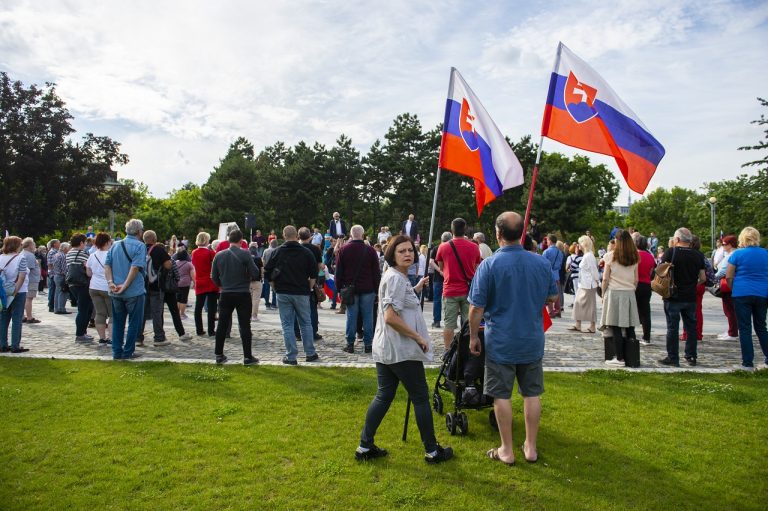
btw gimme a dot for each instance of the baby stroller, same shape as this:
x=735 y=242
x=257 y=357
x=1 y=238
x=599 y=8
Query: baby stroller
x=462 y=375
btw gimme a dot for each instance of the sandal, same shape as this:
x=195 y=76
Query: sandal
x=574 y=329
x=588 y=331
x=494 y=455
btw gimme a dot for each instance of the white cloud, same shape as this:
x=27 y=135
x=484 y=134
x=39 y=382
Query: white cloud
x=176 y=81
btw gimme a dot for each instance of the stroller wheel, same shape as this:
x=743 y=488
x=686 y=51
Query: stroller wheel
x=450 y=423
x=437 y=402
x=492 y=420
x=462 y=423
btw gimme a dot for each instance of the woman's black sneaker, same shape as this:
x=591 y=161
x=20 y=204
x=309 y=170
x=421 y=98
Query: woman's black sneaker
x=371 y=454
x=440 y=455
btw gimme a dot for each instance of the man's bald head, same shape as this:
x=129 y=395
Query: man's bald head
x=509 y=226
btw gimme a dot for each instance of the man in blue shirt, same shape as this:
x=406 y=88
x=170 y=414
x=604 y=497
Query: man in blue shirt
x=509 y=291
x=124 y=270
x=556 y=258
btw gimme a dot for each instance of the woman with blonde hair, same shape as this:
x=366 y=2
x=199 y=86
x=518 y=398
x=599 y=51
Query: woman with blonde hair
x=619 y=302
x=747 y=276
x=585 y=303
x=205 y=289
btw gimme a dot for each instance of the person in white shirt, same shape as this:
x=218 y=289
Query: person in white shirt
x=98 y=289
x=14 y=269
x=485 y=250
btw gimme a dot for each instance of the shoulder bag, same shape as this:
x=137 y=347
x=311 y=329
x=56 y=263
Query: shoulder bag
x=461 y=265
x=663 y=282
x=76 y=275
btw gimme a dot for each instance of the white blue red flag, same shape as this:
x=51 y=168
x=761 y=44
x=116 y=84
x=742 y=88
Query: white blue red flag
x=329 y=286
x=583 y=111
x=473 y=146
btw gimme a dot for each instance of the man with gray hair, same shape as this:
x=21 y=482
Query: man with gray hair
x=357 y=265
x=688 y=271
x=292 y=272
x=58 y=263
x=53 y=249
x=485 y=250
x=124 y=267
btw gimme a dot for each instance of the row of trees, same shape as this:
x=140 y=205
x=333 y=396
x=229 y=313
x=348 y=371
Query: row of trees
x=53 y=185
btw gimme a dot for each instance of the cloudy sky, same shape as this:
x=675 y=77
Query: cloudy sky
x=176 y=81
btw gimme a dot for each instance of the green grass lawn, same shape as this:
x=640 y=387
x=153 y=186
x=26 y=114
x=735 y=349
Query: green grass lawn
x=102 y=435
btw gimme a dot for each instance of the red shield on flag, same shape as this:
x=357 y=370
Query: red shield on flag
x=467 y=127
x=579 y=99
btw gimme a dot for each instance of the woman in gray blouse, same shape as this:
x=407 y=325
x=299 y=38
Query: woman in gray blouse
x=401 y=345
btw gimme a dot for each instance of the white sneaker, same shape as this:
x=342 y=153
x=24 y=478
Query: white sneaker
x=185 y=337
x=614 y=362
x=644 y=342
x=739 y=367
x=726 y=337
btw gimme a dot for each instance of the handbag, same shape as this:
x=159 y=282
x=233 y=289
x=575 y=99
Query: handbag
x=720 y=288
x=319 y=294
x=76 y=275
x=348 y=292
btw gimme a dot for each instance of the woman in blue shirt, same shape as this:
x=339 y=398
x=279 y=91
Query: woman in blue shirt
x=747 y=275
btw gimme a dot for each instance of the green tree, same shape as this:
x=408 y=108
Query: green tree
x=232 y=189
x=663 y=211
x=763 y=144
x=50 y=182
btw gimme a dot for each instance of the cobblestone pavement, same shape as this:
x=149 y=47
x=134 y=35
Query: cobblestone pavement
x=565 y=351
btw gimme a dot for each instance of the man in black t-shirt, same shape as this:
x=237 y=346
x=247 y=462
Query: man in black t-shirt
x=305 y=240
x=160 y=261
x=688 y=271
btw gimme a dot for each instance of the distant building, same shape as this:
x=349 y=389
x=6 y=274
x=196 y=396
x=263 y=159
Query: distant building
x=621 y=209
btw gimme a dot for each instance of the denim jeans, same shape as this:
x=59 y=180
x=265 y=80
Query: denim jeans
x=674 y=311
x=51 y=293
x=84 y=308
x=12 y=317
x=411 y=374
x=133 y=309
x=364 y=306
x=751 y=309
x=228 y=303
x=60 y=300
x=437 y=301
x=312 y=317
x=291 y=308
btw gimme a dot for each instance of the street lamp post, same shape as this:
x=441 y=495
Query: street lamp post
x=713 y=211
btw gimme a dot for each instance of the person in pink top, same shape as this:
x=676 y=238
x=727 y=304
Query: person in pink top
x=457 y=260
x=205 y=289
x=643 y=291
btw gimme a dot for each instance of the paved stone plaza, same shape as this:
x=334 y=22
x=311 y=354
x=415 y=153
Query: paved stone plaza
x=54 y=337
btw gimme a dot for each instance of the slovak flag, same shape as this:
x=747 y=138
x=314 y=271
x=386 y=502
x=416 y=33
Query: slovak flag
x=473 y=146
x=583 y=111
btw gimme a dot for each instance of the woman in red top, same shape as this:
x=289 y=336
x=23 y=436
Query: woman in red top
x=272 y=236
x=205 y=289
x=643 y=291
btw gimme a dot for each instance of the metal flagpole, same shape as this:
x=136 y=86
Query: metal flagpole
x=429 y=256
x=536 y=165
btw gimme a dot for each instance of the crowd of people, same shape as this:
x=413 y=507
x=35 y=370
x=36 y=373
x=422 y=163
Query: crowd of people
x=117 y=286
